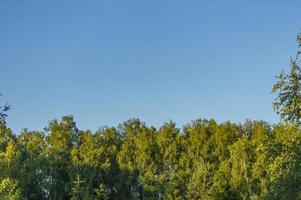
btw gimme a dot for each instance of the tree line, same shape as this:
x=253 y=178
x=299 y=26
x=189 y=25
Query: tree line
x=203 y=160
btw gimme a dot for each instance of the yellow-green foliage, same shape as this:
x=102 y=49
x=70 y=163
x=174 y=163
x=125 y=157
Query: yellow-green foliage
x=204 y=160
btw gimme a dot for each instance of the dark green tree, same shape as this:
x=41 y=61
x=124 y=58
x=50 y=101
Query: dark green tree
x=3 y=112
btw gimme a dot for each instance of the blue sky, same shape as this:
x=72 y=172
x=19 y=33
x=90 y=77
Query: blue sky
x=107 y=61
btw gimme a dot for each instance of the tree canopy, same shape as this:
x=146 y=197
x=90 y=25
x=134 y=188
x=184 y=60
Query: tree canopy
x=204 y=160
x=288 y=89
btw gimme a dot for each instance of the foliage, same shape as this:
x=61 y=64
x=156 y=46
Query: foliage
x=204 y=160
x=9 y=190
x=3 y=112
x=288 y=89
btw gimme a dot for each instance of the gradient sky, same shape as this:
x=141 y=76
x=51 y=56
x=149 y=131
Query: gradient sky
x=107 y=61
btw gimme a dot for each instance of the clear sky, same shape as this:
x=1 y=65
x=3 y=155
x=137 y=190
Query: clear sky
x=105 y=61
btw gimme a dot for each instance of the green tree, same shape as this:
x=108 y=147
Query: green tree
x=147 y=159
x=94 y=160
x=199 y=185
x=34 y=164
x=9 y=190
x=284 y=170
x=61 y=137
x=288 y=89
x=3 y=112
x=102 y=193
x=10 y=161
x=174 y=165
x=127 y=159
x=78 y=190
x=109 y=141
x=241 y=160
x=6 y=135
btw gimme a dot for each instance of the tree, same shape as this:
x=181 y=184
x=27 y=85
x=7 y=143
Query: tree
x=9 y=190
x=173 y=167
x=200 y=182
x=127 y=159
x=288 y=88
x=62 y=136
x=78 y=191
x=241 y=160
x=284 y=170
x=205 y=160
x=3 y=111
x=33 y=155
